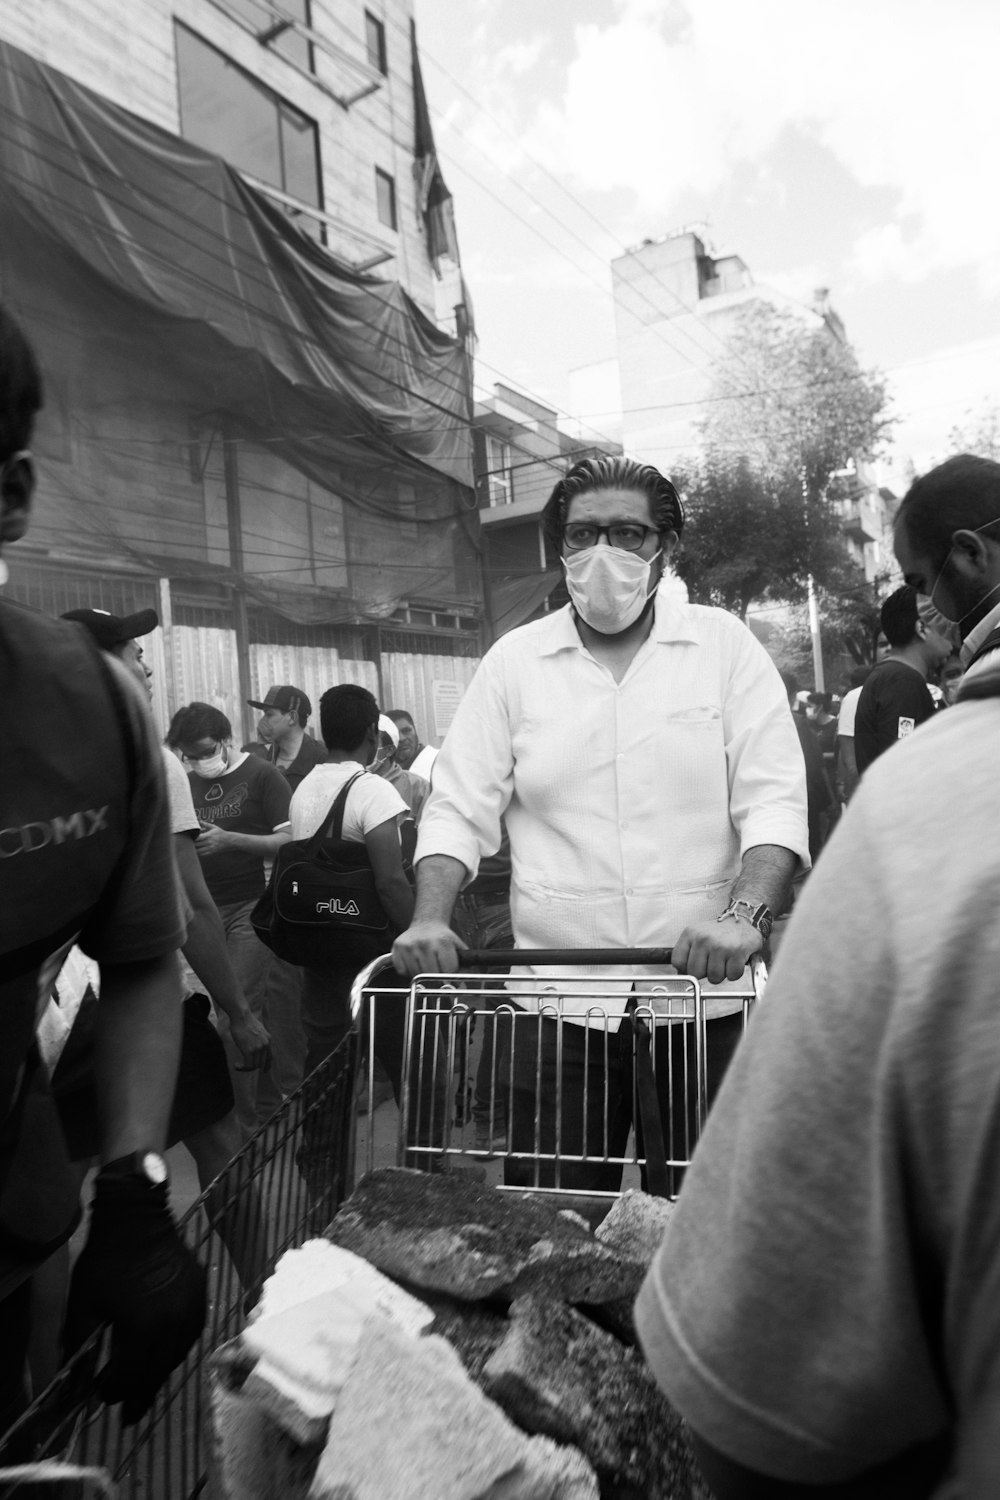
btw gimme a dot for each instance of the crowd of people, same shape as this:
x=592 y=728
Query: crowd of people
x=628 y=772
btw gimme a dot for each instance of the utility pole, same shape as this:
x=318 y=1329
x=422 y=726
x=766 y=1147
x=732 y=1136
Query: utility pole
x=234 y=528
x=814 y=635
x=817 y=644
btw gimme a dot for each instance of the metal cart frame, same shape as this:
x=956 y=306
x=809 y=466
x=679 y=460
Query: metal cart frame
x=438 y=1060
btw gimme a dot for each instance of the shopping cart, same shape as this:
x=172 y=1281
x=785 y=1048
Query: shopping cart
x=457 y=1090
x=297 y=1169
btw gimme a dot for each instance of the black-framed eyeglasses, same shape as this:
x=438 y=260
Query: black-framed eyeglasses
x=629 y=536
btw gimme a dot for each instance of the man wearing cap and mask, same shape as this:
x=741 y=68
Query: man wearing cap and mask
x=947 y=542
x=643 y=752
x=242 y=807
x=413 y=789
x=286 y=713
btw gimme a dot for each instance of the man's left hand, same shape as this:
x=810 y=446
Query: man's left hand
x=716 y=950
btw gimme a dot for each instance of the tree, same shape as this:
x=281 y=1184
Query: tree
x=792 y=398
x=979 y=433
x=750 y=535
x=849 y=623
x=789 y=416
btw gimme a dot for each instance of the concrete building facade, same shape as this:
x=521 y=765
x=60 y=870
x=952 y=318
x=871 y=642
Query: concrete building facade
x=676 y=307
x=520 y=452
x=318 y=112
x=318 y=105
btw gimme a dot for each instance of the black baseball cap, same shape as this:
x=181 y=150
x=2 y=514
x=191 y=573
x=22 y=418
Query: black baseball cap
x=287 y=700
x=110 y=631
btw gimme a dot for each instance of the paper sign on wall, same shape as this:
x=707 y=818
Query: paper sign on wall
x=445 y=696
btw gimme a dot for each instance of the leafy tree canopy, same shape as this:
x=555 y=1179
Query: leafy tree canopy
x=789 y=415
x=792 y=398
x=979 y=433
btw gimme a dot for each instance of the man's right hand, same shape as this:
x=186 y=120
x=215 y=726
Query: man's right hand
x=253 y=1041
x=427 y=948
x=136 y=1273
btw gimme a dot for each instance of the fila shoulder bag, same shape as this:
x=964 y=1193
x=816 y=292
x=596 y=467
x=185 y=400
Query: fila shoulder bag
x=321 y=906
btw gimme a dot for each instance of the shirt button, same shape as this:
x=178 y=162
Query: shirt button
x=620 y=755
x=622 y=825
x=629 y=891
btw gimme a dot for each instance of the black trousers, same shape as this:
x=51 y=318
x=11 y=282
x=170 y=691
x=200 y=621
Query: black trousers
x=585 y=1104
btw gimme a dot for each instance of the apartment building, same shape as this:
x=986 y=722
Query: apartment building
x=229 y=237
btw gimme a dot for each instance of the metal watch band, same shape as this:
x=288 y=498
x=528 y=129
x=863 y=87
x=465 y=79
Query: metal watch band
x=759 y=916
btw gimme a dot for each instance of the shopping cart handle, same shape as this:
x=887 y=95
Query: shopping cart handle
x=492 y=958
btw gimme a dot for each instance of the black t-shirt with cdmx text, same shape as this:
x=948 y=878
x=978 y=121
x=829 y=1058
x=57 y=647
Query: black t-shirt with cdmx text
x=253 y=798
x=894 y=701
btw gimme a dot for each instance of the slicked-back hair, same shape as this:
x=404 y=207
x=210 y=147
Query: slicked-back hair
x=899 y=616
x=612 y=473
x=20 y=387
x=962 y=494
x=346 y=713
x=198 y=721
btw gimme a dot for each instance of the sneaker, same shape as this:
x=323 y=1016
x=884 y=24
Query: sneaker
x=490 y=1140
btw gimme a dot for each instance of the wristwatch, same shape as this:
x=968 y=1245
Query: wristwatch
x=149 y=1165
x=759 y=916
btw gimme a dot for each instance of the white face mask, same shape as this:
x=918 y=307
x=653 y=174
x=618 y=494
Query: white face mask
x=972 y=608
x=608 y=586
x=211 y=766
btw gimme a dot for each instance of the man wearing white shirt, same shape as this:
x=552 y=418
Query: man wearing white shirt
x=674 y=813
x=373 y=814
x=349 y=722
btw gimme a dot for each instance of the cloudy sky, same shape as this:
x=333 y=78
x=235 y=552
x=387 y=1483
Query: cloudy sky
x=851 y=146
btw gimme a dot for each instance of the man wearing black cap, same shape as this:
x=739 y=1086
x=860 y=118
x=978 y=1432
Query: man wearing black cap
x=205 y=948
x=119 y=634
x=286 y=713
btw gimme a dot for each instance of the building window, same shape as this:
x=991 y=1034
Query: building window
x=290 y=44
x=385 y=195
x=499 y=477
x=229 y=112
x=375 y=42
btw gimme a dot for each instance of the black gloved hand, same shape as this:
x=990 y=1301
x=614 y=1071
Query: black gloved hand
x=136 y=1273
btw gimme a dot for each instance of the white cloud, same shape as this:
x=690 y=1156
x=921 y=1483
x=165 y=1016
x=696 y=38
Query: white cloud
x=666 y=99
x=937 y=393
x=520 y=57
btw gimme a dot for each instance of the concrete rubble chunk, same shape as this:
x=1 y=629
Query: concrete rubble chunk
x=635 y=1226
x=556 y=1373
x=410 y=1425
x=446 y=1234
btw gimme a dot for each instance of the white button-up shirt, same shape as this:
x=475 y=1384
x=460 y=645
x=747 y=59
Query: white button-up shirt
x=629 y=804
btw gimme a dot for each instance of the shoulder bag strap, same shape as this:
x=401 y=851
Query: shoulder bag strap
x=991 y=643
x=332 y=825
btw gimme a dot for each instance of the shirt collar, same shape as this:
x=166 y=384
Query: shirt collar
x=673 y=620
x=978 y=634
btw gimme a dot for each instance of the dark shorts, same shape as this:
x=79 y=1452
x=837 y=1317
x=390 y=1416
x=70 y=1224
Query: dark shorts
x=203 y=1095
